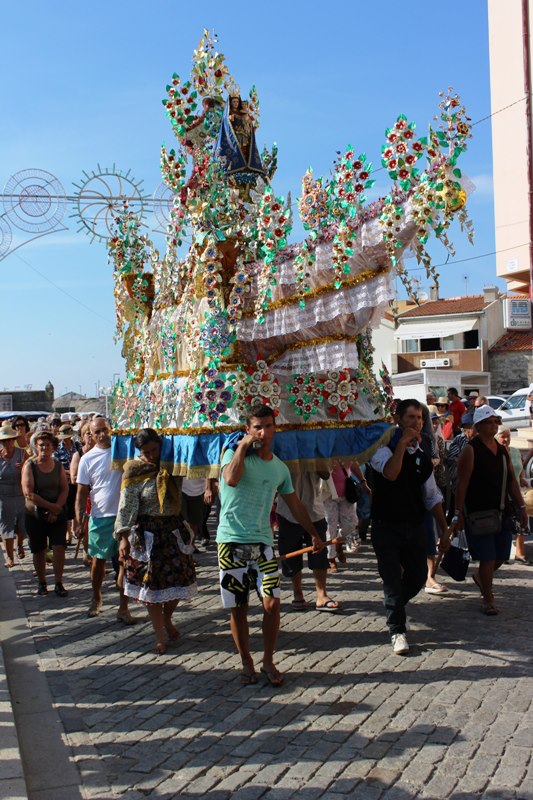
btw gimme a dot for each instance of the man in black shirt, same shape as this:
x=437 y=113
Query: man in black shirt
x=404 y=487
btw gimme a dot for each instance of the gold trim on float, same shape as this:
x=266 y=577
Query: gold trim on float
x=287 y=426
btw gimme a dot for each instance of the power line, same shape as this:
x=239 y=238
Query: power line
x=64 y=291
x=471 y=258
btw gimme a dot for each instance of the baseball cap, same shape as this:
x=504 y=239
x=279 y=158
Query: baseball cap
x=485 y=412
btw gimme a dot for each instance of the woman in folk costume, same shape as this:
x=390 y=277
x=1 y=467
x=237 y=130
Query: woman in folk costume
x=155 y=544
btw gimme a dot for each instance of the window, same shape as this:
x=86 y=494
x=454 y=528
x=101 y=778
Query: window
x=448 y=343
x=429 y=344
x=410 y=346
x=470 y=340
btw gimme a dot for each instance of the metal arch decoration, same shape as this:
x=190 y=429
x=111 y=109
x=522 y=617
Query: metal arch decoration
x=34 y=201
x=6 y=237
x=163 y=200
x=101 y=197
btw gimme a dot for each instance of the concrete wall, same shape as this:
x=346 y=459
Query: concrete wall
x=384 y=344
x=509 y=141
x=510 y=371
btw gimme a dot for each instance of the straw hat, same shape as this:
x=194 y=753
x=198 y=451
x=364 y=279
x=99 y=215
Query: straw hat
x=442 y=401
x=66 y=432
x=7 y=432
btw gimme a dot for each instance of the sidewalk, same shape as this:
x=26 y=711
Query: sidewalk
x=99 y=716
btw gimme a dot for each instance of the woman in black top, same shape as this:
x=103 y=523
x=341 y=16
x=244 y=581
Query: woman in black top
x=480 y=472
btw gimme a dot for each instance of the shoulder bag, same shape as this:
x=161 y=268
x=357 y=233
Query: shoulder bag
x=489 y=522
x=351 y=491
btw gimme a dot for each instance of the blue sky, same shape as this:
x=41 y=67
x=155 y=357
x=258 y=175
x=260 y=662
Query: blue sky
x=82 y=85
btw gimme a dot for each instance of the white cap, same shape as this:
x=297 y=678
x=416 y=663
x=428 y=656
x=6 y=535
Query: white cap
x=485 y=412
x=65 y=417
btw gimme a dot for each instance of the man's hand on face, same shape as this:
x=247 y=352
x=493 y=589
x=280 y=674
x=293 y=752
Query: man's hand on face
x=411 y=437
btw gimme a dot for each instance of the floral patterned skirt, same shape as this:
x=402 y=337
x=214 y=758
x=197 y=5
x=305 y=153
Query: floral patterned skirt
x=158 y=570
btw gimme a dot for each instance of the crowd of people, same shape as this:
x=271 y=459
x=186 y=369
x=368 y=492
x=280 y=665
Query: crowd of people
x=446 y=468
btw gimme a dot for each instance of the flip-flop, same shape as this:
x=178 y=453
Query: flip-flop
x=21 y=552
x=489 y=609
x=524 y=561
x=439 y=589
x=299 y=605
x=330 y=605
x=248 y=678
x=274 y=678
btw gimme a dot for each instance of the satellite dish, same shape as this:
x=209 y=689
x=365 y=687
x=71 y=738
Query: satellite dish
x=423 y=296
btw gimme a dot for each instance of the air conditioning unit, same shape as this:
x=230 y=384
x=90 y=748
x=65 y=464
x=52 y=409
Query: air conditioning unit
x=435 y=362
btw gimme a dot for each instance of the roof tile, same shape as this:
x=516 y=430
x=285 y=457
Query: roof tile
x=448 y=305
x=513 y=341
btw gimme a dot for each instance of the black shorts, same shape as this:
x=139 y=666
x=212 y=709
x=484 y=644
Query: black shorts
x=71 y=500
x=193 y=509
x=42 y=533
x=292 y=536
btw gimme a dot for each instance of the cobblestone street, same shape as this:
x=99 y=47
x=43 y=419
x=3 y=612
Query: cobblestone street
x=99 y=716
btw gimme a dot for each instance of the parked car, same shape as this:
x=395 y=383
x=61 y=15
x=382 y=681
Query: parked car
x=515 y=411
x=495 y=401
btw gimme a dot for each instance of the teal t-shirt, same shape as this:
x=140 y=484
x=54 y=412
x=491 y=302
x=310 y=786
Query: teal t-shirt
x=245 y=508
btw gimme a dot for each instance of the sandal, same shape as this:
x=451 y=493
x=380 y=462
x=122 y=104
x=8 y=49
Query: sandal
x=341 y=555
x=8 y=562
x=160 y=649
x=330 y=605
x=299 y=605
x=274 y=677
x=489 y=609
x=248 y=678
x=95 y=608
x=21 y=552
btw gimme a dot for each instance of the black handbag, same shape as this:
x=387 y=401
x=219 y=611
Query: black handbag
x=351 y=490
x=456 y=560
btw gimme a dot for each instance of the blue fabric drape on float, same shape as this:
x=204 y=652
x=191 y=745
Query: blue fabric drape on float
x=291 y=446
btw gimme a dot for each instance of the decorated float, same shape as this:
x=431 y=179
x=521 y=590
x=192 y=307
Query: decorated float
x=233 y=314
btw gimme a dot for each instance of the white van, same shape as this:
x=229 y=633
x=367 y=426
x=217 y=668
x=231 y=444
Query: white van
x=515 y=411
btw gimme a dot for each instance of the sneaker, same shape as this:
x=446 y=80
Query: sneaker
x=399 y=643
x=60 y=590
x=42 y=589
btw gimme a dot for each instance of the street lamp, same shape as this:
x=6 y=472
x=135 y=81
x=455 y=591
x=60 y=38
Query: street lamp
x=106 y=391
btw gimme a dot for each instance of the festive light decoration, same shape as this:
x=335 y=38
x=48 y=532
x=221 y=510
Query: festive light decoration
x=246 y=317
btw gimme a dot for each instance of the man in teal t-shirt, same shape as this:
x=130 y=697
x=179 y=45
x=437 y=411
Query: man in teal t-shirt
x=250 y=478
